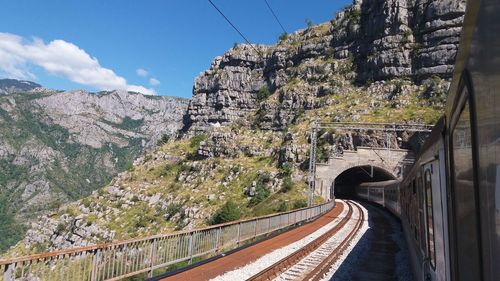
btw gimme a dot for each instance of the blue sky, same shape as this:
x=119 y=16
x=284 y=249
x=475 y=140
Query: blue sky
x=173 y=40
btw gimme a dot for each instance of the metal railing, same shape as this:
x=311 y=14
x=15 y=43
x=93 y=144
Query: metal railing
x=118 y=260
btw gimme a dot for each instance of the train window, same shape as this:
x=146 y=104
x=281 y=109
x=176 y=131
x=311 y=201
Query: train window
x=421 y=217
x=431 y=247
x=464 y=198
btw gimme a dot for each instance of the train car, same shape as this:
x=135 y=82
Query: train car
x=449 y=202
x=424 y=205
x=473 y=148
x=385 y=193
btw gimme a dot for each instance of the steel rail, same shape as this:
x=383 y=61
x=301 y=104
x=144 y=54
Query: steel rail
x=121 y=259
x=324 y=267
x=284 y=264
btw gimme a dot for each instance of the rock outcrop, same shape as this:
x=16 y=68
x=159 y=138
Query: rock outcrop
x=367 y=41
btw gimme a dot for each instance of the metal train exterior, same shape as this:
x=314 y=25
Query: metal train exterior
x=449 y=202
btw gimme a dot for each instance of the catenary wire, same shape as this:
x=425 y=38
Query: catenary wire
x=275 y=16
x=235 y=28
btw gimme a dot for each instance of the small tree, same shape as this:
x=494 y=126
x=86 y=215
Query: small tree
x=164 y=140
x=283 y=36
x=228 y=212
x=263 y=93
x=309 y=23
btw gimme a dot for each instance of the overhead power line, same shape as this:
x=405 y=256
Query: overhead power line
x=275 y=16
x=235 y=28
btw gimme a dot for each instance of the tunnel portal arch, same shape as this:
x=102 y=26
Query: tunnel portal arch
x=343 y=185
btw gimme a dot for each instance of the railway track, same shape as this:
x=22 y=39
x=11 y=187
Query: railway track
x=314 y=260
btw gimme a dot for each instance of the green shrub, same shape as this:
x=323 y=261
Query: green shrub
x=228 y=212
x=286 y=169
x=283 y=36
x=287 y=184
x=259 y=118
x=283 y=207
x=60 y=227
x=261 y=194
x=353 y=14
x=164 y=140
x=86 y=202
x=322 y=154
x=300 y=204
x=172 y=209
x=196 y=140
x=263 y=93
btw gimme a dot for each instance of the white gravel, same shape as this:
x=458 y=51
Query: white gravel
x=263 y=262
x=403 y=270
x=361 y=246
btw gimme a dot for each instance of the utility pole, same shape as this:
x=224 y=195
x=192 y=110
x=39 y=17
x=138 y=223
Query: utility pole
x=312 y=164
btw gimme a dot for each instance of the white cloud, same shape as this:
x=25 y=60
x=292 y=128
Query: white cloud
x=141 y=89
x=59 y=58
x=154 y=81
x=142 y=72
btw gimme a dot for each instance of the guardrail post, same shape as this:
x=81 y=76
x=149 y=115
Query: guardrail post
x=93 y=274
x=152 y=256
x=254 y=229
x=9 y=275
x=217 y=240
x=238 y=237
x=190 y=251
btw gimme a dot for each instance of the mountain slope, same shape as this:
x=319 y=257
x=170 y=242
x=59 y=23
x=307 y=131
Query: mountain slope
x=10 y=86
x=247 y=134
x=59 y=147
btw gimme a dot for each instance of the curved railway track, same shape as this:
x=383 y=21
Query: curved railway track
x=314 y=260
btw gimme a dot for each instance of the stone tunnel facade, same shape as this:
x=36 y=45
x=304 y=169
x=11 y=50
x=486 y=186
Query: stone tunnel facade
x=393 y=161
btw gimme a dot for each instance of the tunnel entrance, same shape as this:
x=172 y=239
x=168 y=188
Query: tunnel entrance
x=345 y=182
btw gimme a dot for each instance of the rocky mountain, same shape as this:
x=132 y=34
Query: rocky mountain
x=368 y=41
x=56 y=147
x=10 y=86
x=246 y=131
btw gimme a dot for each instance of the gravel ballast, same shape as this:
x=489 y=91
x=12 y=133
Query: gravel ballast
x=262 y=263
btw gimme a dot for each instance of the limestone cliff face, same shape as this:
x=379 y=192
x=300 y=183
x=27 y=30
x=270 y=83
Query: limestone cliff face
x=228 y=90
x=366 y=42
x=401 y=37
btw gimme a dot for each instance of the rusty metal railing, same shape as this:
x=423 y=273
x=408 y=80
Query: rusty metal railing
x=118 y=260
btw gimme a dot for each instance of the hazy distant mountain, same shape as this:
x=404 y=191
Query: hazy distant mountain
x=57 y=147
x=10 y=86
